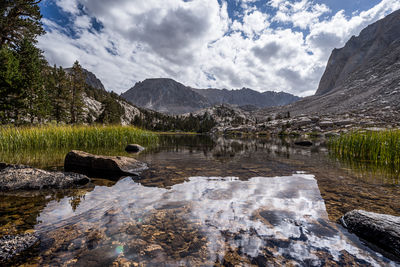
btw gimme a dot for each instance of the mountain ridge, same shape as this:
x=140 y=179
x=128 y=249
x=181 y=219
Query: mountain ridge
x=169 y=96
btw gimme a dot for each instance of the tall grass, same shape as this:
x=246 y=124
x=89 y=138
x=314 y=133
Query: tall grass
x=379 y=147
x=51 y=136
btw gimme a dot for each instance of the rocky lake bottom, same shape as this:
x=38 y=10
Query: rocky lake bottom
x=206 y=202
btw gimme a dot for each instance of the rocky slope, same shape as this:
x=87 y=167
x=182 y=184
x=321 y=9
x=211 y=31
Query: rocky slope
x=91 y=79
x=169 y=96
x=361 y=80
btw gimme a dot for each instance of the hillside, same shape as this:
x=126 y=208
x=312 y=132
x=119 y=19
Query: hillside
x=171 y=97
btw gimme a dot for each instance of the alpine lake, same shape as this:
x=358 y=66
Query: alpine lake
x=205 y=201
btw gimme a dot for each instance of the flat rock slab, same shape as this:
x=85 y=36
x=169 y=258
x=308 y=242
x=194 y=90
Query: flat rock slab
x=19 y=177
x=102 y=166
x=380 y=229
x=10 y=245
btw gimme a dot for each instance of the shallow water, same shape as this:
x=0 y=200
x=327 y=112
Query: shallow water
x=208 y=202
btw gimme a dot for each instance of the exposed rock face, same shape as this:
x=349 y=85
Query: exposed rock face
x=13 y=245
x=102 y=166
x=169 y=96
x=363 y=77
x=165 y=95
x=17 y=177
x=371 y=44
x=379 y=229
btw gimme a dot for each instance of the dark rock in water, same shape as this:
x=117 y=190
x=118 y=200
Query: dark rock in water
x=19 y=177
x=134 y=148
x=13 y=245
x=102 y=166
x=304 y=143
x=380 y=229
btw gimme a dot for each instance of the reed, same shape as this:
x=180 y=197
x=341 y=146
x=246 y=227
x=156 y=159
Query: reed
x=74 y=137
x=379 y=147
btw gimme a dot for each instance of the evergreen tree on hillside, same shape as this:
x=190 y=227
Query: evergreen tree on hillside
x=32 y=65
x=112 y=111
x=57 y=85
x=10 y=89
x=77 y=87
x=19 y=20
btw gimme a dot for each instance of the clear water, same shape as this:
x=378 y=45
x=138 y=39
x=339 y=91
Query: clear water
x=208 y=202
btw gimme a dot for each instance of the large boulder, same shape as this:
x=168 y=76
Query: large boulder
x=10 y=245
x=19 y=177
x=379 y=229
x=102 y=166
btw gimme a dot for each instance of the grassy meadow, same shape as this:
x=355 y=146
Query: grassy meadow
x=378 y=147
x=54 y=137
x=46 y=146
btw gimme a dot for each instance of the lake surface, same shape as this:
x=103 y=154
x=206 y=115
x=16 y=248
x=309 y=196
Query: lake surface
x=208 y=202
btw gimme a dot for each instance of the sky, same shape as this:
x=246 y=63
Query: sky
x=265 y=45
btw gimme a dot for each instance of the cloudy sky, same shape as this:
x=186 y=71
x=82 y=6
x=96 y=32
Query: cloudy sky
x=279 y=45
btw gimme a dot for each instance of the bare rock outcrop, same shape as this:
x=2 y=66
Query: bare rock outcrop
x=371 y=44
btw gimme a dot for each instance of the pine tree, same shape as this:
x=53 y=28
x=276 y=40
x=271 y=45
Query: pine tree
x=10 y=89
x=19 y=20
x=32 y=65
x=57 y=86
x=112 y=111
x=77 y=86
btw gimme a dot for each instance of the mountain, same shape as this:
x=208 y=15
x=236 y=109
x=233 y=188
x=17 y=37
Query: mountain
x=169 y=96
x=165 y=95
x=90 y=79
x=363 y=77
x=373 y=43
x=246 y=96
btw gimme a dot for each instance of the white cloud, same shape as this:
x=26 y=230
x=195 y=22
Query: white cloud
x=198 y=44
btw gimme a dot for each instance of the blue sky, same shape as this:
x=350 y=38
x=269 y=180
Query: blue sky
x=279 y=45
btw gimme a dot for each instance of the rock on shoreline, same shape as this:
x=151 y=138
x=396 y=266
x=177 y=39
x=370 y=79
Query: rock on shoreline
x=13 y=245
x=19 y=177
x=102 y=166
x=380 y=229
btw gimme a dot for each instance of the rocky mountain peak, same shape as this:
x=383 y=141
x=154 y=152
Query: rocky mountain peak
x=371 y=44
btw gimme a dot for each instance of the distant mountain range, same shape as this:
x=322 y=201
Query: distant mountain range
x=172 y=97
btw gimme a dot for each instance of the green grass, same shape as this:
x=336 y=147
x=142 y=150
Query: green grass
x=73 y=137
x=379 y=147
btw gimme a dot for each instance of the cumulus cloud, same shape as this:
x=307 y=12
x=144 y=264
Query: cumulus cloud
x=197 y=43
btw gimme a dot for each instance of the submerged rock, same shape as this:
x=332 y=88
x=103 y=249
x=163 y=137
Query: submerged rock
x=380 y=229
x=303 y=143
x=102 y=166
x=13 y=245
x=134 y=148
x=19 y=177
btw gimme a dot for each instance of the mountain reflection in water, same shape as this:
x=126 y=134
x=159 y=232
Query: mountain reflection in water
x=205 y=220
